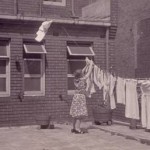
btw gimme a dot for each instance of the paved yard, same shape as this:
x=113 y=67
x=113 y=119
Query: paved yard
x=60 y=138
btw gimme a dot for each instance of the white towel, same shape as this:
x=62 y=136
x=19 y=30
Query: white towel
x=132 y=105
x=43 y=30
x=120 y=90
x=145 y=104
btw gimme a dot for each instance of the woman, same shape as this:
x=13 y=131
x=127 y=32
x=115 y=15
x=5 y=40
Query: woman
x=78 y=108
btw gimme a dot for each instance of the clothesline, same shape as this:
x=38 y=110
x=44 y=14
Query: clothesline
x=126 y=94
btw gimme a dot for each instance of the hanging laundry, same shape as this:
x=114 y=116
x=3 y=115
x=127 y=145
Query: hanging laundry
x=120 y=90
x=132 y=105
x=111 y=91
x=98 y=74
x=90 y=80
x=43 y=30
x=106 y=85
x=145 y=104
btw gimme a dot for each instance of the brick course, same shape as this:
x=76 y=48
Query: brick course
x=16 y=111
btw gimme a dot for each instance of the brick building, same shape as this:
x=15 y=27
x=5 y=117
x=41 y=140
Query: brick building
x=36 y=78
x=132 y=42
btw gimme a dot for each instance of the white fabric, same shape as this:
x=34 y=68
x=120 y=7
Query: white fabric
x=90 y=88
x=120 y=90
x=111 y=92
x=106 y=84
x=43 y=30
x=97 y=77
x=145 y=104
x=132 y=105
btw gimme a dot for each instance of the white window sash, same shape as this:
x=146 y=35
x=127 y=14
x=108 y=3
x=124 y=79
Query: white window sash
x=7 y=75
x=42 y=46
x=63 y=3
x=84 y=54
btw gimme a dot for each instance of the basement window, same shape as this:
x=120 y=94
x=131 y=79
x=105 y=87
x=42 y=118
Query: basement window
x=76 y=55
x=55 y=2
x=34 y=69
x=4 y=68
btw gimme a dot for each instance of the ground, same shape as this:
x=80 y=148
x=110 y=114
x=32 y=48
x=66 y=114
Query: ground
x=60 y=138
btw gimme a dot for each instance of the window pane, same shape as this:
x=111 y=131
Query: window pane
x=32 y=84
x=80 y=50
x=3 y=50
x=2 y=85
x=32 y=67
x=73 y=65
x=71 y=83
x=34 y=48
x=2 y=66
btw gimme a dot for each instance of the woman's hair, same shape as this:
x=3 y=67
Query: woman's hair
x=78 y=74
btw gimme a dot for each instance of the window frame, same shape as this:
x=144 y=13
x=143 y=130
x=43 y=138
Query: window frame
x=90 y=47
x=41 y=75
x=71 y=92
x=7 y=74
x=63 y=3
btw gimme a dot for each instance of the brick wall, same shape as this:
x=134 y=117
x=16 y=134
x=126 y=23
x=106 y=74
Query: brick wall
x=129 y=15
x=7 y=7
x=15 y=111
x=36 y=8
x=22 y=112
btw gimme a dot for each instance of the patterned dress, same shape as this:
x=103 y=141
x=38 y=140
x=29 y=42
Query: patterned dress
x=78 y=106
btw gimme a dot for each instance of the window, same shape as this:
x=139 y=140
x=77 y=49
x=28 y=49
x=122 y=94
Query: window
x=4 y=68
x=76 y=55
x=55 y=2
x=34 y=69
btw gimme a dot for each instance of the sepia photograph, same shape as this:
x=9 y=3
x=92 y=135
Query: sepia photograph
x=74 y=74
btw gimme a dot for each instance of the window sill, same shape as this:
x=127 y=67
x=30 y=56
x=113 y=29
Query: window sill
x=54 y=3
x=34 y=94
x=4 y=95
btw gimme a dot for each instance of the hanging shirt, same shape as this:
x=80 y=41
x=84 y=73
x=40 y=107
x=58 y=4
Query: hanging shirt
x=120 y=90
x=111 y=91
x=145 y=103
x=132 y=105
x=98 y=77
x=90 y=88
x=43 y=30
x=106 y=86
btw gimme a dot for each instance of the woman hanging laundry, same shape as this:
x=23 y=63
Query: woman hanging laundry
x=78 y=108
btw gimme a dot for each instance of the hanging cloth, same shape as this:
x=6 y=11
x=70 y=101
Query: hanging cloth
x=98 y=74
x=106 y=86
x=132 y=105
x=90 y=88
x=43 y=30
x=120 y=90
x=111 y=91
x=145 y=104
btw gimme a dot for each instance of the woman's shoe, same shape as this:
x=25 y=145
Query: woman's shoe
x=73 y=130
x=79 y=132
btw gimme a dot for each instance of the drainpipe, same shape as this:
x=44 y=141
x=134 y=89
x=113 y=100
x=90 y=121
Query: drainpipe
x=107 y=49
x=72 y=8
x=15 y=7
x=41 y=2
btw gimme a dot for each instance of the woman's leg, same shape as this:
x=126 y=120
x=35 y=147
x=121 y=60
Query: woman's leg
x=74 y=123
x=78 y=124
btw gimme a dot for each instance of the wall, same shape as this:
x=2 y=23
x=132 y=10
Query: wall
x=35 y=8
x=15 y=111
x=130 y=12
